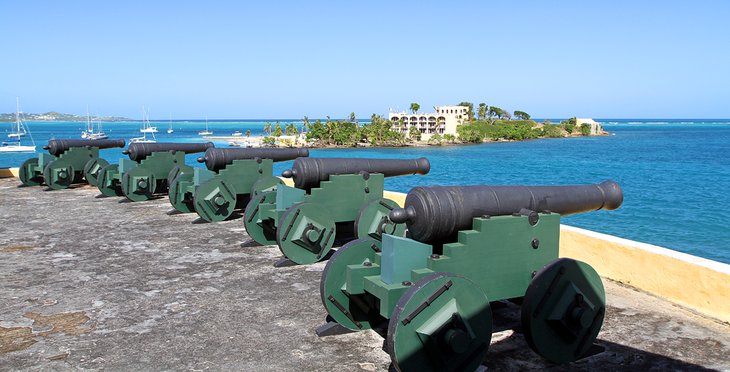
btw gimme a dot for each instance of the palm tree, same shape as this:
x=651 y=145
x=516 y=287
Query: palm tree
x=248 y=133
x=291 y=129
x=278 y=130
x=267 y=128
x=305 y=124
x=482 y=111
x=415 y=107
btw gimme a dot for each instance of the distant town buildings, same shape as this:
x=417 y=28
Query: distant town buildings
x=444 y=120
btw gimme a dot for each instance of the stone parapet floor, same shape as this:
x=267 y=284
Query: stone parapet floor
x=100 y=283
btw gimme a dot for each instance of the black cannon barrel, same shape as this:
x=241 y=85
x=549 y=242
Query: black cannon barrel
x=139 y=151
x=58 y=146
x=217 y=159
x=309 y=172
x=436 y=213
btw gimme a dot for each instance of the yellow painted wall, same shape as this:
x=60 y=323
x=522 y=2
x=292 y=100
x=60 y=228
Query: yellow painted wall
x=8 y=172
x=697 y=283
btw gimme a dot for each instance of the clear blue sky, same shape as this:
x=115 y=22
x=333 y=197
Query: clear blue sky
x=226 y=59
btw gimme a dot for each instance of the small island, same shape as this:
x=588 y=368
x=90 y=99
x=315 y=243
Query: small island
x=448 y=125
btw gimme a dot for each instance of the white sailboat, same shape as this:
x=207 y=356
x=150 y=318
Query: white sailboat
x=169 y=130
x=18 y=130
x=99 y=134
x=89 y=133
x=205 y=132
x=145 y=124
x=146 y=127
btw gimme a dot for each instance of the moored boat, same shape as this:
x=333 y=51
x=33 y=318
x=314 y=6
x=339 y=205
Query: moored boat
x=18 y=130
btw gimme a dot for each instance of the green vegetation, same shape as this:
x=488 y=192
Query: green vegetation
x=469 y=112
x=552 y=131
x=379 y=132
x=436 y=139
x=513 y=130
x=414 y=133
x=415 y=107
x=268 y=141
x=521 y=115
x=482 y=112
x=495 y=111
x=585 y=129
x=278 y=132
x=492 y=124
x=509 y=130
x=291 y=129
x=569 y=125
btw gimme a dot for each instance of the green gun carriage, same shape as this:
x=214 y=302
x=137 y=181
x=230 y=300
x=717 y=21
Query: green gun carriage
x=232 y=175
x=68 y=161
x=429 y=294
x=149 y=169
x=330 y=195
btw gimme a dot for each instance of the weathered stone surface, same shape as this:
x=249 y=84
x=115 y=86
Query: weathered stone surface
x=101 y=283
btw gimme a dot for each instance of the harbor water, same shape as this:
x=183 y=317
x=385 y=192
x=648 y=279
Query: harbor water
x=674 y=173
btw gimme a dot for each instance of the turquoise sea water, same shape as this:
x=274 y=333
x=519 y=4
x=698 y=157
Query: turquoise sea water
x=675 y=173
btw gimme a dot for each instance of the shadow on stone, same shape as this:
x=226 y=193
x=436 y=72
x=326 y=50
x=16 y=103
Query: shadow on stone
x=250 y=243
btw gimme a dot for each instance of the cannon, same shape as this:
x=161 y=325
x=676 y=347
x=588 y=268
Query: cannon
x=429 y=293
x=68 y=161
x=232 y=175
x=148 y=171
x=330 y=195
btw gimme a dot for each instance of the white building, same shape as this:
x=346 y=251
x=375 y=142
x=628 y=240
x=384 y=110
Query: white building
x=596 y=129
x=444 y=120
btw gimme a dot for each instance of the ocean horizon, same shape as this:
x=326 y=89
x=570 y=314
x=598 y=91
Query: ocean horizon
x=673 y=171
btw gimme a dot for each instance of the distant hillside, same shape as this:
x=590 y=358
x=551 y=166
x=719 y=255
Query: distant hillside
x=57 y=116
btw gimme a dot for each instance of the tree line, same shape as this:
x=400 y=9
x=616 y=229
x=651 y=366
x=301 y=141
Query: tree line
x=484 y=112
x=491 y=124
x=494 y=123
x=378 y=132
x=519 y=130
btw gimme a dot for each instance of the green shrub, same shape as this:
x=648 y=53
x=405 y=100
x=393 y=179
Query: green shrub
x=436 y=138
x=585 y=129
x=268 y=141
x=552 y=131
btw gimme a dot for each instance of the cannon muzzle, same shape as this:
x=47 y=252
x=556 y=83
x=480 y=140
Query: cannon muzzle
x=139 y=151
x=57 y=147
x=309 y=172
x=217 y=159
x=436 y=213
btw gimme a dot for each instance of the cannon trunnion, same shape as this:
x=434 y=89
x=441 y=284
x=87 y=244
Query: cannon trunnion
x=67 y=162
x=332 y=199
x=149 y=169
x=232 y=175
x=469 y=246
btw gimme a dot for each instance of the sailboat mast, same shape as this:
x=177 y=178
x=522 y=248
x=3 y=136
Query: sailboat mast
x=17 y=115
